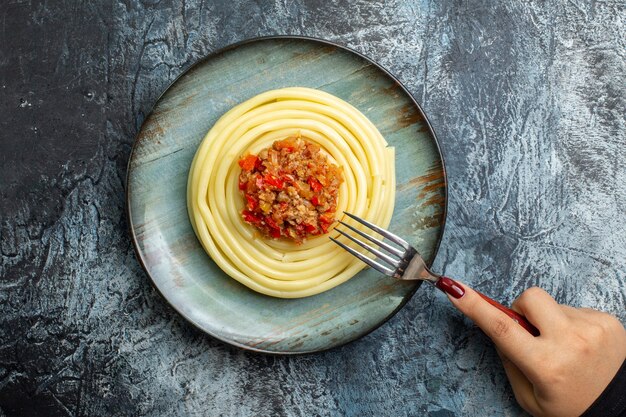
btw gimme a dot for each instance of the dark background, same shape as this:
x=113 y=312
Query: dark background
x=527 y=98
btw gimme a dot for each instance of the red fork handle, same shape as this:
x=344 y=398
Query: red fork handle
x=449 y=286
x=518 y=318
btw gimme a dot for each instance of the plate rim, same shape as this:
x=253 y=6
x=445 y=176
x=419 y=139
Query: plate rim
x=213 y=54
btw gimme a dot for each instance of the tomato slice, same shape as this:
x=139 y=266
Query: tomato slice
x=248 y=162
x=273 y=181
x=271 y=223
x=252 y=202
x=250 y=217
x=315 y=184
x=326 y=218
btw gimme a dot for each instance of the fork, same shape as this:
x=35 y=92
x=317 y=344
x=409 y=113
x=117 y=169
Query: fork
x=405 y=263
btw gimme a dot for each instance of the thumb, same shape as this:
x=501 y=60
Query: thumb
x=522 y=388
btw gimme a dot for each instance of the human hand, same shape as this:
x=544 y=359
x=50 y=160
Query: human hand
x=563 y=370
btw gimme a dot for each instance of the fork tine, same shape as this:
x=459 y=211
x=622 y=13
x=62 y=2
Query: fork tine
x=370 y=262
x=385 y=233
x=391 y=261
x=378 y=242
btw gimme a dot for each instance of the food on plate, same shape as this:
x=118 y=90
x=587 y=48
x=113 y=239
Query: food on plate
x=243 y=171
x=290 y=189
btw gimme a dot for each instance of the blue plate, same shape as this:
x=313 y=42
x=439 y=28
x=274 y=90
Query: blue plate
x=164 y=240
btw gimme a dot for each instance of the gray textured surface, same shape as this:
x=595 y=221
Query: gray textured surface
x=526 y=97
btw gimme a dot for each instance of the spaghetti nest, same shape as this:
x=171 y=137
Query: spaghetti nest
x=278 y=267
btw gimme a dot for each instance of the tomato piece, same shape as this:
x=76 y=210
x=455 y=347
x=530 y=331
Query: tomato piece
x=271 y=223
x=309 y=228
x=315 y=184
x=248 y=162
x=273 y=181
x=326 y=218
x=315 y=201
x=252 y=202
x=250 y=217
x=286 y=179
x=243 y=185
x=288 y=144
x=274 y=229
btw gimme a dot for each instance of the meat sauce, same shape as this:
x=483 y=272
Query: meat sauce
x=290 y=189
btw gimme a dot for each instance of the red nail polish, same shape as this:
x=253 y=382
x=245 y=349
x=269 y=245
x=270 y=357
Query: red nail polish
x=450 y=286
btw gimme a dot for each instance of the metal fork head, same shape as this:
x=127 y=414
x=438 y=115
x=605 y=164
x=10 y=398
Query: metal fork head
x=402 y=262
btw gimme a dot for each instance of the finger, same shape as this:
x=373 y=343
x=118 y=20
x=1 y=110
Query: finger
x=511 y=338
x=541 y=310
x=522 y=388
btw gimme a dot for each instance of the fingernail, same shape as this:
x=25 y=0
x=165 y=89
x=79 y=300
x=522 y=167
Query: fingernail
x=450 y=286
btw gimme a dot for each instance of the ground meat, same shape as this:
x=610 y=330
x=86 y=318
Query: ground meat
x=290 y=190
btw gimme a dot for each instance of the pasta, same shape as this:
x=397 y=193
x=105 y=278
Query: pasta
x=280 y=268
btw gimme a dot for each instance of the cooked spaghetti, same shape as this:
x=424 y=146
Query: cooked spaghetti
x=281 y=267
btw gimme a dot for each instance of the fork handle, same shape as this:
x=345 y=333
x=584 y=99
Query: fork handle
x=450 y=286
x=518 y=318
